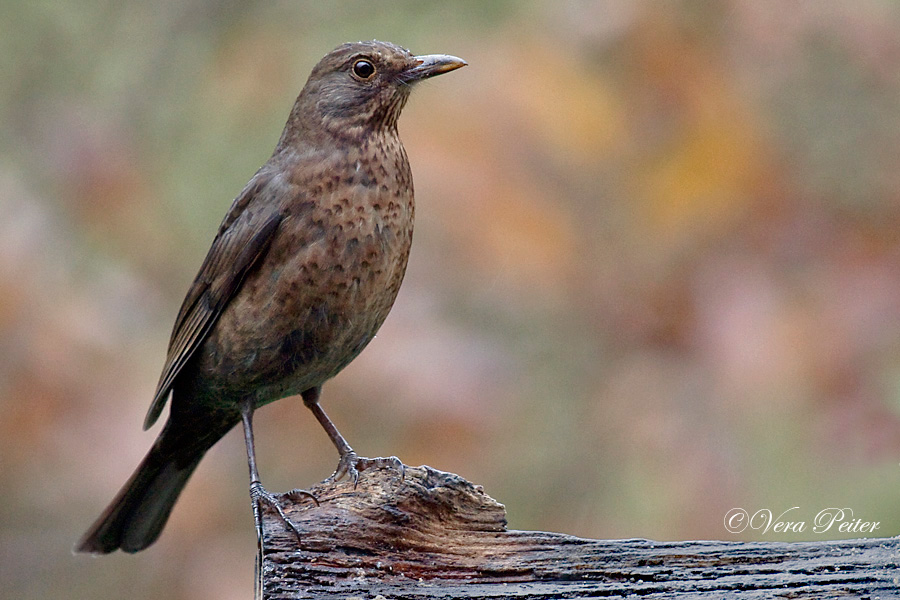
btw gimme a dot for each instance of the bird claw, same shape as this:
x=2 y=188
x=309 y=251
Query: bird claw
x=297 y=494
x=351 y=464
x=259 y=493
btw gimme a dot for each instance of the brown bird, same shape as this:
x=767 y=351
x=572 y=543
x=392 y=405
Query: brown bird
x=301 y=274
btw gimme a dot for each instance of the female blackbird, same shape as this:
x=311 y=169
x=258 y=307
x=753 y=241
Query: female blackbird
x=301 y=274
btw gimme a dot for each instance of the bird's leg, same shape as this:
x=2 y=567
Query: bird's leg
x=257 y=491
x=350 y=463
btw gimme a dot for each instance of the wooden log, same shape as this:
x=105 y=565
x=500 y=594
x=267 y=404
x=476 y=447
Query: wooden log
x=434 y=534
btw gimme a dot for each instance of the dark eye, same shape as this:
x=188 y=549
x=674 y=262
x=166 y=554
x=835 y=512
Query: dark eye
x=363 y=69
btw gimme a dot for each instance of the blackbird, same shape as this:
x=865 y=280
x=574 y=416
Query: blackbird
x=301 y=274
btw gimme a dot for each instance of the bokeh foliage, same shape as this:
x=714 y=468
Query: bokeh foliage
x=656 y=272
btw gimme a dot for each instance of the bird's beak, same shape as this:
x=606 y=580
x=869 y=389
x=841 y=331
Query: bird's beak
x=430 y=65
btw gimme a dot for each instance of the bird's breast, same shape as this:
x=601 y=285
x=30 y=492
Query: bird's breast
x=328 y=280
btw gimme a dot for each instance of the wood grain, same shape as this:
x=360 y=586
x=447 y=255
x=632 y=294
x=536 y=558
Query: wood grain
x=434 y=534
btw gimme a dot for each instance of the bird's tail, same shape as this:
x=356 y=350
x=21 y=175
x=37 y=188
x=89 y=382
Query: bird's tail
x=138 y=513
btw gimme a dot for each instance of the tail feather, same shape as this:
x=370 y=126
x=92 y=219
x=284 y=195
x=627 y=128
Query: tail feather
x=138 y=513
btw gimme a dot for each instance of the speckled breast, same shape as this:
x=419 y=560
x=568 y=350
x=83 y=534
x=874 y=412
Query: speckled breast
x=327 y=282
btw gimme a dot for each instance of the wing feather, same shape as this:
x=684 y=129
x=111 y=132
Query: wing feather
x=242 y=241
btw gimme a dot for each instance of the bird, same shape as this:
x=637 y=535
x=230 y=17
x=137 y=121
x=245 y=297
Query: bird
x=302 y=272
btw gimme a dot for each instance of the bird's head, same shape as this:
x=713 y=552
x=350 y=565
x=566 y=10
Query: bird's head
x=363 y=86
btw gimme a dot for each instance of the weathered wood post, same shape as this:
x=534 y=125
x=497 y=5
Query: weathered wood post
x=434 y=534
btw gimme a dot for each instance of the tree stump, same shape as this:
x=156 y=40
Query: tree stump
x=434 y=534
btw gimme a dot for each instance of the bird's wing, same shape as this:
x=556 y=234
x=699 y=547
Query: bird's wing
x=242 y=241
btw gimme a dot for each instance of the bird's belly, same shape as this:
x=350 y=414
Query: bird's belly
x=298 y=323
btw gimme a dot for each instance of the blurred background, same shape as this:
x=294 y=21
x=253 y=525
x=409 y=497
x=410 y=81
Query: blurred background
x=656 y=272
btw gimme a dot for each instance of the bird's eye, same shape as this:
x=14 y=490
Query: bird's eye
x=363 y=69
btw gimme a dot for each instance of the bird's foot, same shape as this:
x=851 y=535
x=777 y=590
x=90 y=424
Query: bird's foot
x=260 y=494
x=351 y=465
